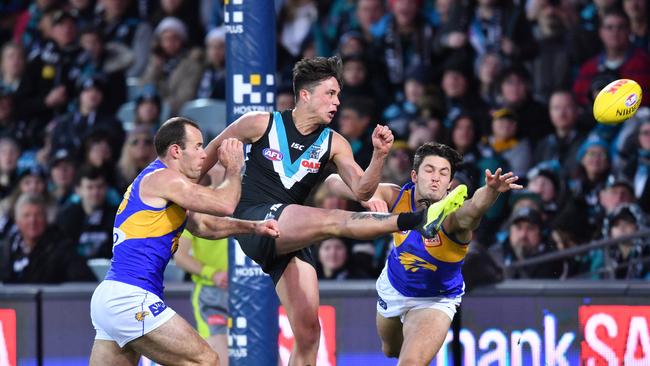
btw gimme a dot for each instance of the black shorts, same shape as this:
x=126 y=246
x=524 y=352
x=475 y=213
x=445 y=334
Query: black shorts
x=261 y=249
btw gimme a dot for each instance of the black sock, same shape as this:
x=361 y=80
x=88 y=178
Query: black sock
x=410 y=220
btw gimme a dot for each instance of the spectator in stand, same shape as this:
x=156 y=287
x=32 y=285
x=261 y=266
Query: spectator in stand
x=32 y=181
x=403 y=39
x=500 y=26
x=185 y=10
x=637 y=11
x=12 y=66
x=72 y=128
x=88 y=224
x=63 y=168
x=629 y=259
x=543 y=179
x=358 y=81
x=9 y=154
x=25 y=134
x=359 y=18
x=618 y=56
x=552 y=69
x=294 y=25
x=98 y=153
x=563 y=144
x=83 y=10
x=284 y=98
x=637 y=169
x=334 y=262
x=399 y=114
x=213 y=81
x=137 y=153
x=617 y=191
x=352 y=43
x=505 y=140
x=148 y=110
x=423 y=130
x=37 y=253
x=118 y=26
x=591 y=174
x=514 y=92
x=398 y=166
x=459 y=92
x=354 y=119
x=47 y=85
x=174 y=68
x=488 y=67
x=28 y=25
x=526 y=240
x=107 y=60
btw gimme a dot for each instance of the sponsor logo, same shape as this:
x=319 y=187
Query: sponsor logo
x=253 y=88
x=157 y=308
x=612 y=89
x=314 y=153
x=624 y=112
x=139 y=316
x=271 y=154
x=118 y=236
x=233 y=16
x=631 y=100
x=326 y=355
x=217 y=319
x=297 y=146
x=8 y=337
x=413 y=263
x=382 y=303
x=433 y=242
x=614 y=335
x=311 y=166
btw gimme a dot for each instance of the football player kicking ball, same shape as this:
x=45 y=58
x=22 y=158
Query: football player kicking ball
x=421 y=285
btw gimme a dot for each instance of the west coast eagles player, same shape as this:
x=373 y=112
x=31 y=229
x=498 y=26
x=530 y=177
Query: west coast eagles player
x=127 y=308
x=421 y=284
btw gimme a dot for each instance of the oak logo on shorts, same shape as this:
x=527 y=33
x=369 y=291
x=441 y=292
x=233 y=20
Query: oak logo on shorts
x=157 y=308
x=139 y=316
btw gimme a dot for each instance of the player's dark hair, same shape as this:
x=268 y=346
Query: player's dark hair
x=436 y=149
x=172 y=132
x=310 y=71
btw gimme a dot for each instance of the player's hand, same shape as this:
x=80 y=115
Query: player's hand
x=375 y=205
x=220 y=279
x=231 y=154
x=382 y=139
x=501 y=183
x=267 y=228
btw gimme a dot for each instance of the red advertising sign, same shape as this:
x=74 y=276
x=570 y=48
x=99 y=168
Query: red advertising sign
x=326 y=349
x=8 y=337
x=615 y=335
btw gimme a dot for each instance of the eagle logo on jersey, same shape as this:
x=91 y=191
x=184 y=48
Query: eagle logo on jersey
x=413 y=263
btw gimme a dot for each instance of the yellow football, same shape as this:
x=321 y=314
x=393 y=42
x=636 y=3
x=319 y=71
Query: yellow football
x=618 y=101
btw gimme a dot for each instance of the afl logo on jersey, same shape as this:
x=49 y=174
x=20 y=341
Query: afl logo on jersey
x=433 y=242
x=271 y=154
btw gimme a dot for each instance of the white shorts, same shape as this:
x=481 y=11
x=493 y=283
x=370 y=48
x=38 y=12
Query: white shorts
x=121 y=312
x=392 y=303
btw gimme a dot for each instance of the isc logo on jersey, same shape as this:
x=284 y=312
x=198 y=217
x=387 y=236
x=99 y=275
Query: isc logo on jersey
x=271 y=154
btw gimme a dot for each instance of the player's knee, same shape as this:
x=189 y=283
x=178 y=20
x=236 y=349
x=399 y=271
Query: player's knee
x=307 y=334
x=390 y=350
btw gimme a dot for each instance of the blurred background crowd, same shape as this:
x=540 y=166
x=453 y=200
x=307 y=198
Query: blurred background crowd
x=507 y=83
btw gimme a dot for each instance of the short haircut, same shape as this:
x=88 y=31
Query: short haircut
x=29 y=199
x=309 y=72
x=617 y=12
x=172 y=132
x=436 y=149
x=89 y=172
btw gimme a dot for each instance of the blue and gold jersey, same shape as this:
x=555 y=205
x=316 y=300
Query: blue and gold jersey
x=144 y=237
x=419 y=267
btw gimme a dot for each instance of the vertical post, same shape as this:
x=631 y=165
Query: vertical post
x=250 y=63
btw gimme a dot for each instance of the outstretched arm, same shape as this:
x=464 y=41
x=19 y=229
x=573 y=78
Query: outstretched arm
x=381 y=200
x=468 y=217
x=362 y=183
x=214 y=227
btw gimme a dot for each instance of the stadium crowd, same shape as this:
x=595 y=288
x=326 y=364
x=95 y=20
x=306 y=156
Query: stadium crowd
x=507 y=83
